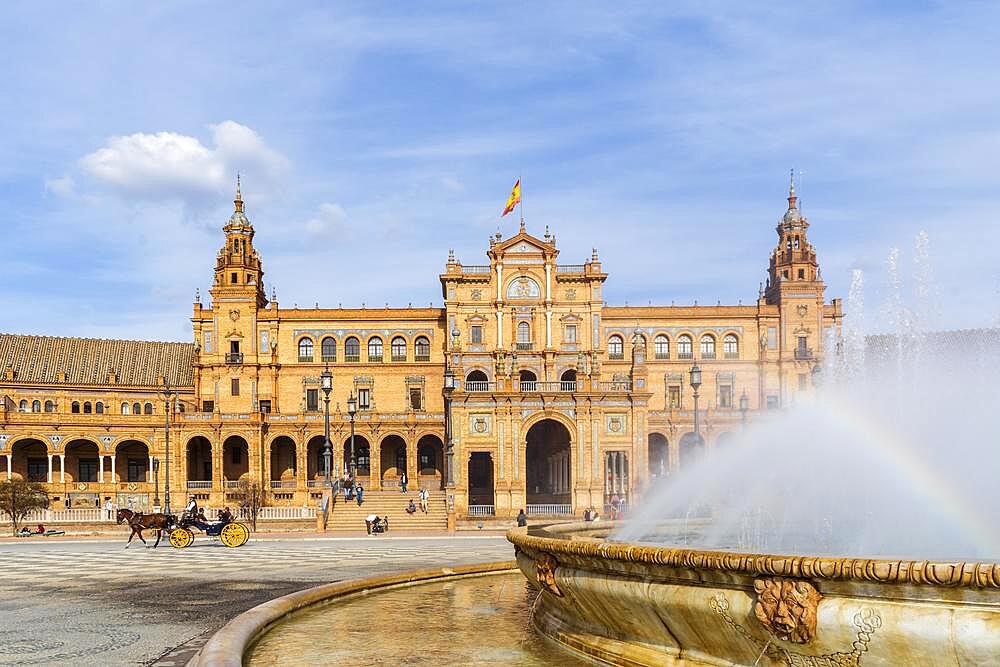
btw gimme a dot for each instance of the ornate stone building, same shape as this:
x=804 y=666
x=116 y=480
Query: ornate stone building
x=561 y=401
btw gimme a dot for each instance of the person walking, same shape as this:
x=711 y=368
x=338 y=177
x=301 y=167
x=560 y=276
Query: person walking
x=108 y=508
x=403 y=481
x=522 y=519
x=424 y=496
x=359 y=493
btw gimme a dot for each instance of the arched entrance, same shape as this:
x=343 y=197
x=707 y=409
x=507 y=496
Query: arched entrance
x=548 y=467
x=392 y=460
x=315 y=469
x=362 y=455
x=199 y=463
x=83 y=467
x=528 y=380
x=480 y=484
x=29 y=460
x=133 y=467
x=658 y=455
x=692 y=448
x=430 y=461
x=235 y=460
x=283 y=463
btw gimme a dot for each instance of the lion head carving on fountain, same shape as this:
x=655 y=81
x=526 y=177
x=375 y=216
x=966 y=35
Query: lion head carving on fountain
x=787 y=608
x=545 y=573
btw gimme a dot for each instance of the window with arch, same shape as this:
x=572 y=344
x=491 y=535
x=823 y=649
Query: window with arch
x=352 y=349
x=99 y=408
x=685 y=347
x=523 y=336
x=731 y=347
x=708 y=347
x=306 y=350
x=50 y=406
x=36 y=406
x=616 y=347
x=126 y=410
x=398 y=349
x=147 y=409
x=22 y=406
x=87 y=408
x=136 y=409
x=375 y=349
x=661 y=347
x=422 y=349
x=427 y=459
x=329 y=349
x=75 y=407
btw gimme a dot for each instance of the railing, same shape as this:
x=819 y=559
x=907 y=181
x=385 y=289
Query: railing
x=304 y=359
x=661 y=355
x=708 y=355
x=234 y=358
x=481 y=510
x=529 y=385
x=561 y=385
x=622 y=508
x=732 y=355
x=352 y=358
x=283 y=484
x=313 y=483
x=803 y=353
x=548 y=510
x=199 y=484
x=422 y=357
x=374 y=358
x=685 y=355
x=522 y=347
x=479 y=385
x=88 y=515
x=616 y=385
x=285 y=513
x=398 y=358
x=616 y=356
x=329 y=357
x=570 y=268
x=476 y=268
x=390 y=483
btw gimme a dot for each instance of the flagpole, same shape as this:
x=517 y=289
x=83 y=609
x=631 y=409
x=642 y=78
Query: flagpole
x=520 y=200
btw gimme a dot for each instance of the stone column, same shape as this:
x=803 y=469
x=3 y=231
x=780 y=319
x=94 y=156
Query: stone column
x=62 y=468
x=113 y=457
x=50 y=469
x=100 y=468
x=149 y=470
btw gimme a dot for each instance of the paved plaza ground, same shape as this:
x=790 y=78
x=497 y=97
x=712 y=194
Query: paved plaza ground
x=90 y=602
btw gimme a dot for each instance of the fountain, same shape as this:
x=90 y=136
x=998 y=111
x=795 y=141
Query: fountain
x=858 y=526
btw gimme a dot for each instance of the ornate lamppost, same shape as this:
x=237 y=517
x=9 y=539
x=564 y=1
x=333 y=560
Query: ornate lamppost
x=327 y=384
x=449 y=448
x=352 y=409
x=156 y=482
x=167 y=394
x=696 y=384
x=744 y=407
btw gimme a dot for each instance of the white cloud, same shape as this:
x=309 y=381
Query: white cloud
x=64 y=186
x=329 y=219
x=168 y=165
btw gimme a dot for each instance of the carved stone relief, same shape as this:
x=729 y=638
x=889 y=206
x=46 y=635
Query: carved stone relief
x=787 y=608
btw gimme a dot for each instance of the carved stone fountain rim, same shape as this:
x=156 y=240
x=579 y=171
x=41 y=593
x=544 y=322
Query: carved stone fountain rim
x=953 y=574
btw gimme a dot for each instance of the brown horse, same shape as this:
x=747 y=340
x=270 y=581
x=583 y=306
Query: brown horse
x=139 y=522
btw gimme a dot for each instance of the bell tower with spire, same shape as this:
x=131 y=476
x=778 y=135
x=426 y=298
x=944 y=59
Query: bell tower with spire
x=793 y=261
x=238 y=269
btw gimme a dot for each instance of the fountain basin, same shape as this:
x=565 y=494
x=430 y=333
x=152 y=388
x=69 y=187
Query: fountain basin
x=632 y=604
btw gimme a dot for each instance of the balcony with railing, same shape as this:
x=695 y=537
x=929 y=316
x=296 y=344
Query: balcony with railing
x=374 y=358
x=283 y=483
x=199 y=484
x=234 y=358
x=616 y=385
x=481 y=510
x=329 y=358
x=616 y=356
x=804 y=353
x=480 y=385
x=476 y=268
x=398 y=358
x=571 y=268
x=523 y=346
x=422 y=357
x=305 y=359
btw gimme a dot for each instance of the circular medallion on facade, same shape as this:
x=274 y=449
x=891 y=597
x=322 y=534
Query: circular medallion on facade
x=82 y=486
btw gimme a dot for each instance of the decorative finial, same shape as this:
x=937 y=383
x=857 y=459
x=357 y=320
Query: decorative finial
x=197 y=295
x=451 y=255
x=547 y=235
x=239 y=197
x=792 y=199
x=593 y=254
x=522 y=225
x=274 y=293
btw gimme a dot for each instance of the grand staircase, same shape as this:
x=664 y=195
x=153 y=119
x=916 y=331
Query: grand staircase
x=346 y=515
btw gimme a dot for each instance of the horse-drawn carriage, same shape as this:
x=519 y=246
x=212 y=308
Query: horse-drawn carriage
x=230 y=532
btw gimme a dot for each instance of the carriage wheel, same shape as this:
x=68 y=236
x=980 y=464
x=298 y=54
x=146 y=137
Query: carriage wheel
x=234 y=534
x=181 y=538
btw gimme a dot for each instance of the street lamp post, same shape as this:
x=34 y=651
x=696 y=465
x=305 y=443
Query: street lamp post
x=167 y=393
x=327 y=383
x=744 y=406
x=156 y=482
x=449 y=386
x=352 y=409
x=696 y=384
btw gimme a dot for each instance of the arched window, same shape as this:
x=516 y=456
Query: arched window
x=147 y=409
x=422 y=349
x=306 y=350
x=731 y=347
x=567 y=381
x=36 y=406
x=99 y=408
x=616 y=347
x=523 y=336
x=136 y=409
x=399 y=349
x=352 y=349
x=375 y=349
x=662 y=347
x=75 y=407
x=125 y=409
x=477 y=381
x=329 y=349
x=22 y=406
x=685 y=347
x=50 y=406
x=87 y=408
x=426 y=458
x=708 y=347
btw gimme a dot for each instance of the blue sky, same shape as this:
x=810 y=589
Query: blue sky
x=372 y=138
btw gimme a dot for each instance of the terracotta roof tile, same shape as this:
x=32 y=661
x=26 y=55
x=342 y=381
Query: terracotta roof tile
x=89 y=360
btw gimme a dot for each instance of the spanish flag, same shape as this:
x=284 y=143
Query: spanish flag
x=513 y=200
